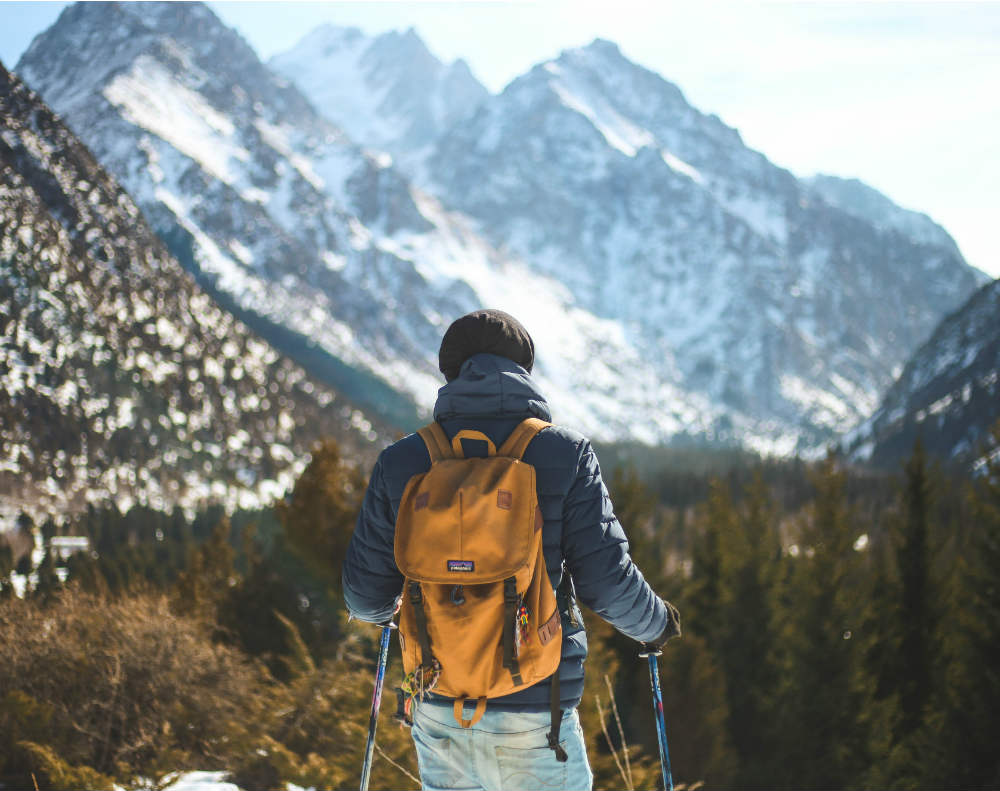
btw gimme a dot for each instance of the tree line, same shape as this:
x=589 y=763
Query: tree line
x=840 y=630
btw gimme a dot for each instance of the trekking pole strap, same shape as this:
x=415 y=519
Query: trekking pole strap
x=420 y=617
x=556 y=712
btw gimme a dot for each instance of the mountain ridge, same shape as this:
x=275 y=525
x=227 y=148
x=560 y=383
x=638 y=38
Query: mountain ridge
x=701 y=291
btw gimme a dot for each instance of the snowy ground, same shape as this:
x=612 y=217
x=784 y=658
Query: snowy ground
x=204 y=781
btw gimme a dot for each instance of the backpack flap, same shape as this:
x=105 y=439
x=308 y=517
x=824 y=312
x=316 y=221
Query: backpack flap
x=468 y=521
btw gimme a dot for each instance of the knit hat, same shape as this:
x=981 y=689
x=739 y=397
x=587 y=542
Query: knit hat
x=489 y=331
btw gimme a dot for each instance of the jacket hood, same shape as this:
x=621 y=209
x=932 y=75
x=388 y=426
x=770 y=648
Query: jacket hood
x=491 y=386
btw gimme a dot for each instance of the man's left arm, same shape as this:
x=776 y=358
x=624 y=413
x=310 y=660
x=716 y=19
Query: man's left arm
x=371 y=580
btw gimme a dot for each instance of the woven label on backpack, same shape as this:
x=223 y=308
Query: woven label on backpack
x=462 y=565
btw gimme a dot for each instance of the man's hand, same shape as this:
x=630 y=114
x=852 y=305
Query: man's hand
x=671 y=630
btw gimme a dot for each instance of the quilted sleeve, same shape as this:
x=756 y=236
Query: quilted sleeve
x=371 y=581
x=596 y=554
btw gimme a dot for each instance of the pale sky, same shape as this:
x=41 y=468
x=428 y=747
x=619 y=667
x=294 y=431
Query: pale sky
x=904 y=96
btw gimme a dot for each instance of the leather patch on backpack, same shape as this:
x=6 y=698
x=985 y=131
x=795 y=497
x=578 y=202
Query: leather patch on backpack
x=505 y=499
x=549 y=629
x=421 y=501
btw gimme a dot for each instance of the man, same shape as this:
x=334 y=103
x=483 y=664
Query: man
x=486 y=358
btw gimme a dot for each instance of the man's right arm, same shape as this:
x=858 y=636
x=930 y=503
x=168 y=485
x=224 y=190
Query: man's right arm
x=371 y=580
x=596 y=553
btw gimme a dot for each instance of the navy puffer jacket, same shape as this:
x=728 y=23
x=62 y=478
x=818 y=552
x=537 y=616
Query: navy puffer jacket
x=581 y=535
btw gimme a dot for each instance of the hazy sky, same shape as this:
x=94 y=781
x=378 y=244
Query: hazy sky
x=904 y=96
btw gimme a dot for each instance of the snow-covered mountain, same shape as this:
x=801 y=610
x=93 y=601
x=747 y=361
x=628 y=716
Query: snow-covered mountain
x=387 y=92
x=948 y=393
x=321 y=246
x=120 y=378
x=676 y=282
x=767 y=298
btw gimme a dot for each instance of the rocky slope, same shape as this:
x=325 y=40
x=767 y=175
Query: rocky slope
x=948 y=394
x=119 y=377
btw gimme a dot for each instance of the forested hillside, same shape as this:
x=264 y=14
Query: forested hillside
x=837 y=632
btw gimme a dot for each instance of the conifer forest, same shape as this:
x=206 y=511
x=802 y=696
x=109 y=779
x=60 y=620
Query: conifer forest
x=841 y=630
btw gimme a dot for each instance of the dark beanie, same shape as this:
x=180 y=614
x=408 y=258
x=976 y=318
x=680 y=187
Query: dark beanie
x=489 y=331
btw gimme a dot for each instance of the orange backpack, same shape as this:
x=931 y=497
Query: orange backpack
x=478 y=617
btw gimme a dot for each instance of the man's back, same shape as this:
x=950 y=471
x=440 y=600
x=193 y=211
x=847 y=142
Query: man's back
x=584 y=547
x=579 y=529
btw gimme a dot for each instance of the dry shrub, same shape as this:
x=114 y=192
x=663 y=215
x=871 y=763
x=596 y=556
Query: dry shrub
x=123 y=688
x=60 y=774
x=94 y=691
x=318 y=735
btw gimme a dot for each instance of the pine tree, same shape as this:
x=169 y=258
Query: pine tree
x=318 y=519
x=906 y=690
x=913 y=561
x=965 y=730
x=716 y=523
x=209 y=575
x=823 y=742
x=25 y=528
x=748 y=641
x=6 y=567
x=48 y=581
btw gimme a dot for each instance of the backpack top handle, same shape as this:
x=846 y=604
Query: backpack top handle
x=468 y=433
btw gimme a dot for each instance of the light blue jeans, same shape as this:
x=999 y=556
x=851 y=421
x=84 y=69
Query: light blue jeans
x=503 y=751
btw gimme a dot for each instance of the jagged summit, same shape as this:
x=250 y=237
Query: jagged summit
x=390 y=92
x=91 y=44
x=328 y=250
x=721 y=265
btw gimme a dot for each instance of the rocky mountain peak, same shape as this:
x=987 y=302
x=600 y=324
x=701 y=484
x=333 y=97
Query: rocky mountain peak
x=391 y=92
x=92 y=43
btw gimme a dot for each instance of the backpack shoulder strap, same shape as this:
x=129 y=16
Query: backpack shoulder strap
x=436 y=441
x=517 y=442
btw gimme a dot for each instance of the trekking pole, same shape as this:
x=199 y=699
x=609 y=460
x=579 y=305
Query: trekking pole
x=661 y=730
x=383 y=658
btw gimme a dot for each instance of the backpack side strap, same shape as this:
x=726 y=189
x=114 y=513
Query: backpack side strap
x=520 y=437
x=436 y=441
